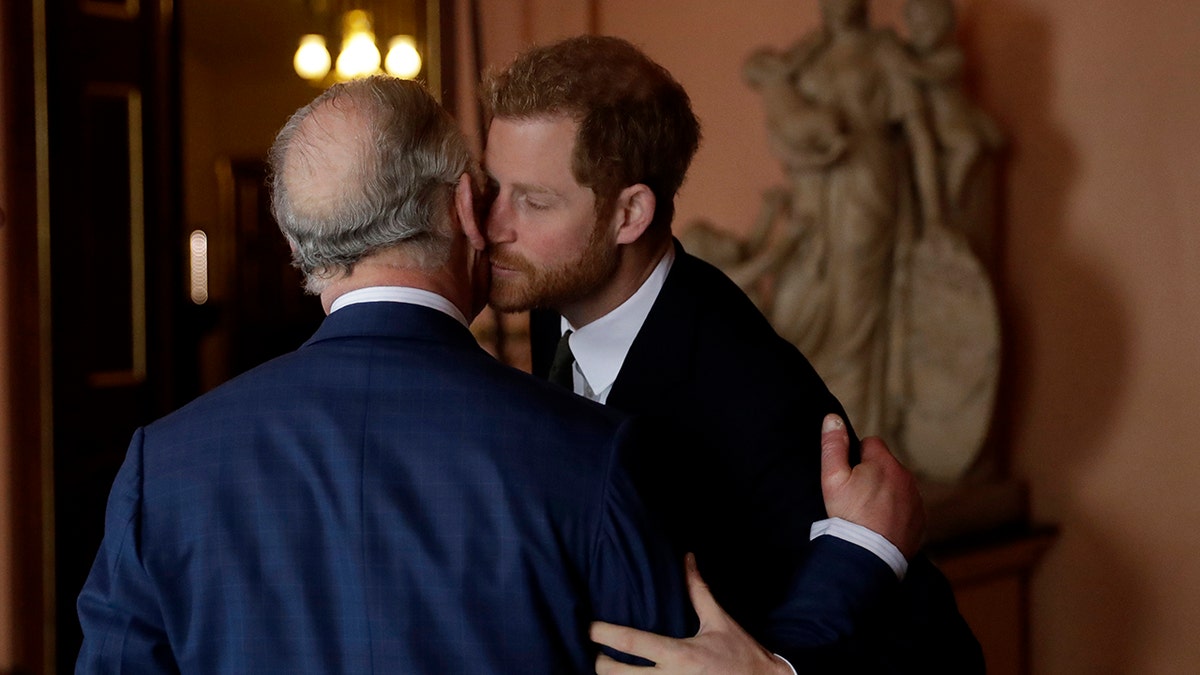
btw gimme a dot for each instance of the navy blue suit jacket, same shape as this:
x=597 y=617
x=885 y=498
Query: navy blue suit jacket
x=388 y=498
x=738 y=482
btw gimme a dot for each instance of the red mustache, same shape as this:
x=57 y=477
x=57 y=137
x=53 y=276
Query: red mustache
x=510 y=261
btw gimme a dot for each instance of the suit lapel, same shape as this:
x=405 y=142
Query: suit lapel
x=660 y=357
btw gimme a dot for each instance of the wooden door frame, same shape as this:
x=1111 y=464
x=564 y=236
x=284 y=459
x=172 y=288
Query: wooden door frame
x=27 y=317
x=26 y=262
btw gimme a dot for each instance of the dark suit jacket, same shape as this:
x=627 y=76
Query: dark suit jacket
x=388 y=498
x=737 y=480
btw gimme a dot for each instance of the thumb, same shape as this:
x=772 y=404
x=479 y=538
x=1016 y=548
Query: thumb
x=707 y=609
x=835 y=454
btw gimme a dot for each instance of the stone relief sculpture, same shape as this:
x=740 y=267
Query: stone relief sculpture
x=966 y=136
x=861 y=258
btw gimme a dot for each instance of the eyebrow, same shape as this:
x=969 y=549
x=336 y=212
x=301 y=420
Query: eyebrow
x=528 y=188
x=533 y=188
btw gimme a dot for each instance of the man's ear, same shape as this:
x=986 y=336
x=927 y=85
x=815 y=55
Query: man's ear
x=464 y=205
x=634 y=212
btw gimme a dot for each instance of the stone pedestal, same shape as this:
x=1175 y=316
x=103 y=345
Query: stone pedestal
x=990 y=575
x=972 y=507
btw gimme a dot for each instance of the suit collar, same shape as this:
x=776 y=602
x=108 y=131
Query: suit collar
x=407 y=294
x=660 y=355
x=393 y=320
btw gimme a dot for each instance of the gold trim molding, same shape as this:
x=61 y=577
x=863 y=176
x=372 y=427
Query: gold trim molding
x=136 y=374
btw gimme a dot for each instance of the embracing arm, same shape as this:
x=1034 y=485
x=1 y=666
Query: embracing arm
x=831 y=594
x=720 y=646
x=881 y=626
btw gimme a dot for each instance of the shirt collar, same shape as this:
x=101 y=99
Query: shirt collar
x=601 y=346
x=412 y=296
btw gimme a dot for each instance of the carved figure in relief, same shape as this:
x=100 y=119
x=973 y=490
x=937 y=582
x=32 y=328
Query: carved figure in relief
x=833 y=297
x=857 y=258
x=964 y=133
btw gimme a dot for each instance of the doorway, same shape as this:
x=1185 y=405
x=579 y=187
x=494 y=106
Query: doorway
x=129 y=145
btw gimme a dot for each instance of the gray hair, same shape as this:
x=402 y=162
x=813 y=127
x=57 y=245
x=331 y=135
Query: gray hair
x=341 y=196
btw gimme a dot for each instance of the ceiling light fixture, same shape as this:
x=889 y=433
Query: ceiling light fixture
x=358 y=55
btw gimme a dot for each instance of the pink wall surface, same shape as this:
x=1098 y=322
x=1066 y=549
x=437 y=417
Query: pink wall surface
x=1099 y=278
x=1102 y=291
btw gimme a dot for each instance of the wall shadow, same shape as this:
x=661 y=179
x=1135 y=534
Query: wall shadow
x=1066 y=357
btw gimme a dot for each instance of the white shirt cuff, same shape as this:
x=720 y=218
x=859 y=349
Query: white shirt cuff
x=789 y=663
x=869 y=539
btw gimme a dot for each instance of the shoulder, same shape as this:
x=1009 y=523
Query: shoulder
x=721 y=315
x=707 y=334
x=704 y=290
x=246 y=394
x=529 y=416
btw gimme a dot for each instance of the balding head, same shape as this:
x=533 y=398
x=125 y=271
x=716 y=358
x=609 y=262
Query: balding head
x=325 y=159
x=369 y=165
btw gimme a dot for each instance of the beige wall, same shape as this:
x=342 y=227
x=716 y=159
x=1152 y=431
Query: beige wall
x=1103 y=298
x=1099 y=279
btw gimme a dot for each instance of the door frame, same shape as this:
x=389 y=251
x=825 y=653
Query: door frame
x=29 y=438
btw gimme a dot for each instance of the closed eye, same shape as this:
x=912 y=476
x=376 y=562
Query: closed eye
x=536 y=204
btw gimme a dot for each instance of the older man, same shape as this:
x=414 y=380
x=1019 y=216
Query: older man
x=388 y=498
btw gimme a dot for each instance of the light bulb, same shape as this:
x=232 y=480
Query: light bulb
x=359 y=56
x=312 y=58
x=403 y=59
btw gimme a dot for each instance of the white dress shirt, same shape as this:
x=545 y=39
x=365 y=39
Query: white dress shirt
x=412 y=296
x=600 y=349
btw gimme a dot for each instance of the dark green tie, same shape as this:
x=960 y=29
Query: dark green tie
x=561 y=372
